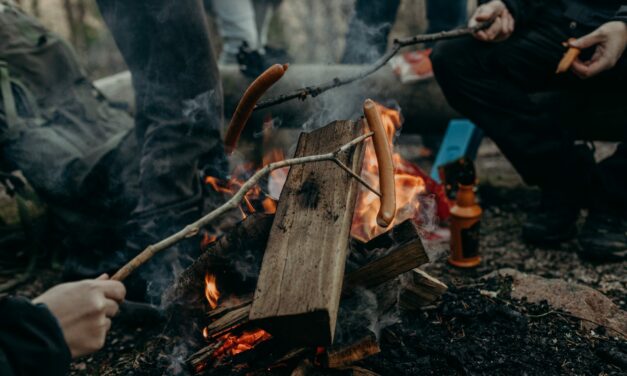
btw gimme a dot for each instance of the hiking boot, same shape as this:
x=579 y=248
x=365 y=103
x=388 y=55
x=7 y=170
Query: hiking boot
x=553 y=223
x=603 y=237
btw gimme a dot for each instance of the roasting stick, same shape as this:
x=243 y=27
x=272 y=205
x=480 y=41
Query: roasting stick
x=313 y=91
x=193 y=228
x=387 y=210
x=246 y=105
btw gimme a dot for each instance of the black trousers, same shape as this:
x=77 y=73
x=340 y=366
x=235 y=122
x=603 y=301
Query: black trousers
x=511 y=91
x=166 y=45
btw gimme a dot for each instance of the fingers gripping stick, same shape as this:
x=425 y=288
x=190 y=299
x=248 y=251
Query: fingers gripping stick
x=247 y=104
x=387 y=210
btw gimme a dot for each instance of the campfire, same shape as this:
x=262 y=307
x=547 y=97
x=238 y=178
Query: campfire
x=242 y=327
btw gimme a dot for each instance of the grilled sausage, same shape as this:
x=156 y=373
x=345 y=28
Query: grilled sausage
x=387 y=211
x=569 y=57
x=247 y=104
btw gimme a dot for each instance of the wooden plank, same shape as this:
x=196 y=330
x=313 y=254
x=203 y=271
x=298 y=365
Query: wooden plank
x=402 y=258
x=300 y=283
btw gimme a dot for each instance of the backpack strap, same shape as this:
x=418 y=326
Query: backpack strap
x=8 y=102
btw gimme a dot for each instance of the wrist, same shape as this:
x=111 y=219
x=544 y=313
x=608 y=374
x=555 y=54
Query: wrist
x=618 y=28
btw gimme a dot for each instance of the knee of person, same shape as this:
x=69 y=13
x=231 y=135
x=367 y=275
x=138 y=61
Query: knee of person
x=447 y=59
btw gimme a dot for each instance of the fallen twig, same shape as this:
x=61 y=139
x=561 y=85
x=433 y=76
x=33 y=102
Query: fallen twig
x=313 y=91
x=193 y=228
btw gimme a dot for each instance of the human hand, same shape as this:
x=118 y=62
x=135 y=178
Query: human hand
x=502 y=22
x=609 y=40
x=84 y=310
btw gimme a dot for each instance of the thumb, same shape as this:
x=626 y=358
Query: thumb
x=484 y=14
x=489 y=11
x=587 y=41
x=103 y=277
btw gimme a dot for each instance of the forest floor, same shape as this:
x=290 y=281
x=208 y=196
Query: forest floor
x=477 y=327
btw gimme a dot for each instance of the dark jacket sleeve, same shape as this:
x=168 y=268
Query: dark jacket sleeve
x=517 y=9
x=31 y=341
x=621 y=15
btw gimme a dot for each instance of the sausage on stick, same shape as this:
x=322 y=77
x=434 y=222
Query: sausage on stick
x=387 y=211
x=247 y=104
x=569 y=57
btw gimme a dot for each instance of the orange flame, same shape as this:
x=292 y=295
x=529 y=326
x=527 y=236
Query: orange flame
x=235 y=344
x=211 y=290
x=255 y=195
x=207 y=239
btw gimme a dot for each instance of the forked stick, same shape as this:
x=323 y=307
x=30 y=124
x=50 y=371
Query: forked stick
x=193 y=228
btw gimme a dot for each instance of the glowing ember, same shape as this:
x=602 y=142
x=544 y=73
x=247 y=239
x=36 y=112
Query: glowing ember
x=235 y=344
x=211 y=290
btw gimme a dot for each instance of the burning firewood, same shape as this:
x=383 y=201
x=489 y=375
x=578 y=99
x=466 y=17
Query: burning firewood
x=230 y=320
x=220 y=259
x=410 y=250
x=420 y=289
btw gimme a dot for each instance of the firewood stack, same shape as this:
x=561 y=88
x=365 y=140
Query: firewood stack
x=288 y=317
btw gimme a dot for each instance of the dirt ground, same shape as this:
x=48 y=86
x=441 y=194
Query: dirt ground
x=468 y=332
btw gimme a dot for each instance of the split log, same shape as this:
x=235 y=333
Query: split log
x=348 y=355
x=420 y=289
x=217 y=313
x=403 y=257
x=300 y=283
x=229 y=321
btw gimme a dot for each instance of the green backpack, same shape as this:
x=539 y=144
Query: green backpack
x=54 y=126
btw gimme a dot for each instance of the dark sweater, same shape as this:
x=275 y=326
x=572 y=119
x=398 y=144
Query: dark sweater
x=31 y=341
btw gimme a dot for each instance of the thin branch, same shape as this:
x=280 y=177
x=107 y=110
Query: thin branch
x=233 y=203
x=313 y=91
x=356 y=177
